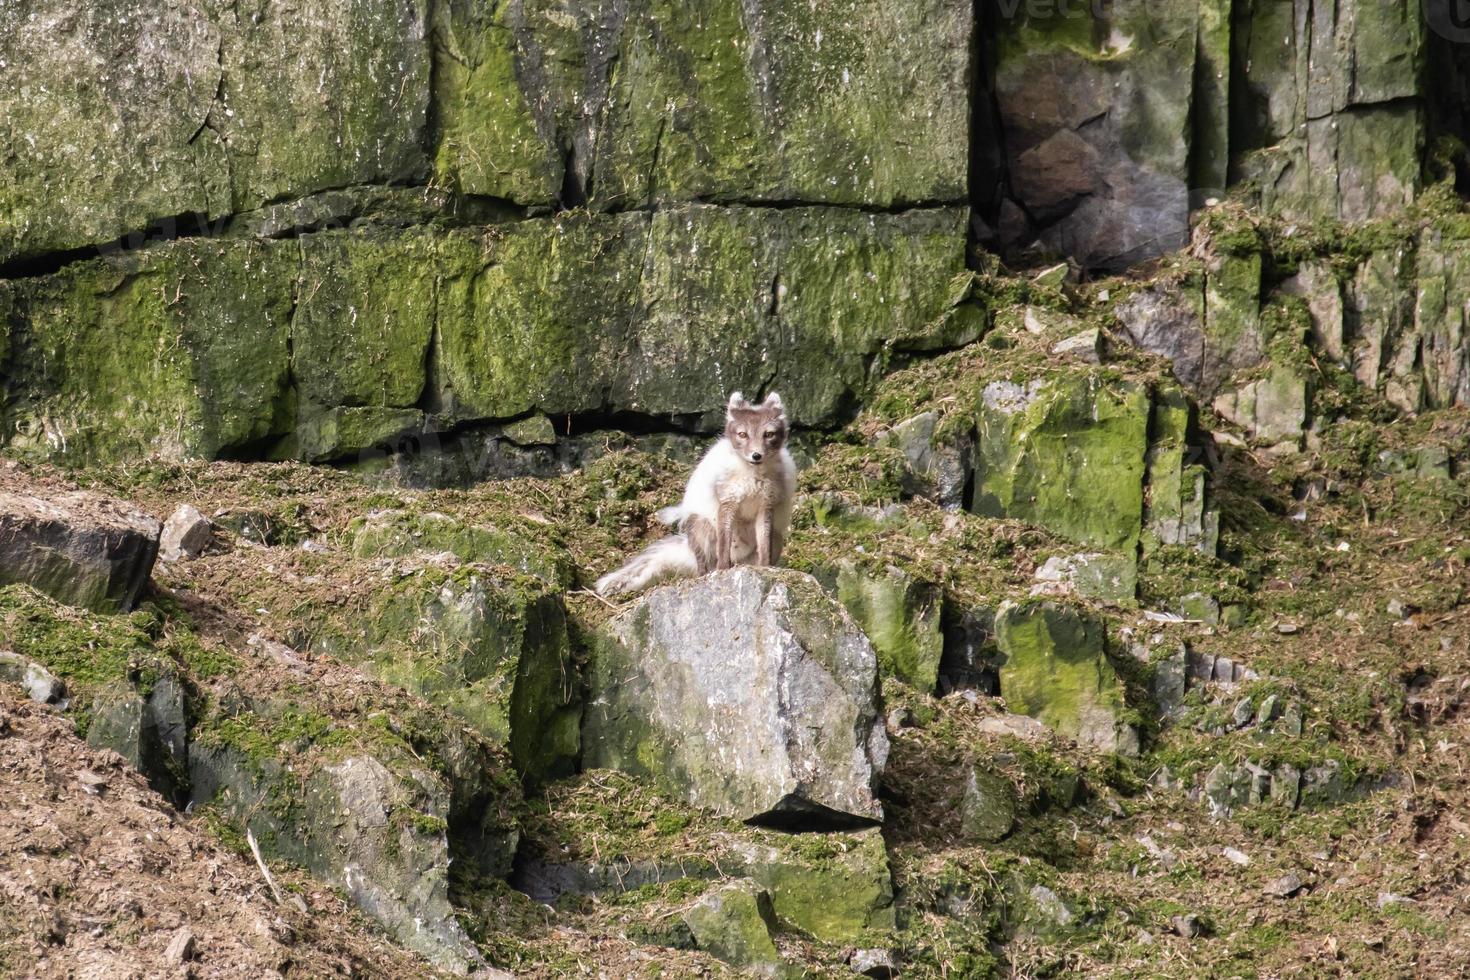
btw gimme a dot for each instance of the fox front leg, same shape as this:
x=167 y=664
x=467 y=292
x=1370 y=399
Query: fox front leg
x=763 y=554
x=725 y=536
x=778 y=545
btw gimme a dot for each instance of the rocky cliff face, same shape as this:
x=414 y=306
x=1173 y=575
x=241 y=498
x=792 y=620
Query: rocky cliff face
x=1125 y=351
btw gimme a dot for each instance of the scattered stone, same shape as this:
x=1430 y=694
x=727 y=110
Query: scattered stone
x=314 y=547
x=1387 y=899
x=1268 y=711
x=1047 y=909
x=1397 y=609
x=1187 y=926
x=79 y=548
x=750 y=692
x=899 y=718
x=186 y=534
x=180 y=948
x=1167 y=859
x=1021 y=726
x=1285 y=886
x=1057 y=671
x=1236 y=857
x=877 y=963
x=988 y=807
x=92 y=782
x=733 y=922
x=40 y=684
x=1288 y=629
x=1200 y=607
x=1244 y=712
x=1086 y=346
x=1053 y=276
x=1111 y=578
x=535 y=430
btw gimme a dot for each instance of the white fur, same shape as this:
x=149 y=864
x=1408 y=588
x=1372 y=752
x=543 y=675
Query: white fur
x=669 y=557
x=722 y=472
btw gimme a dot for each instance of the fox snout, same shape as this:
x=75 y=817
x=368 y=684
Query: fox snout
x=756 y=457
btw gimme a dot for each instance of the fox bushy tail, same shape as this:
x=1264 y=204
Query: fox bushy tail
x=666 y=558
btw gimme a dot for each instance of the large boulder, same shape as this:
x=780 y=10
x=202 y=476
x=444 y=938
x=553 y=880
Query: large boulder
x=230 y=106
x=667 y=314
x=1067 y=453
x=80 y=548
x=1330 y=117
x=749 y=692
x=638 y=102
x=1099 y=158
x=1057 y=670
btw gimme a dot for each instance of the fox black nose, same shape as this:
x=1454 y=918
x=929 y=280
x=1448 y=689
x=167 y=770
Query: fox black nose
x=755 y=457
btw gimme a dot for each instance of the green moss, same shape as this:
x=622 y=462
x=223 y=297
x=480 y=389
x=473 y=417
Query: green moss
x=90 y=651
x=1067 y=454
x=1057 y=670
x=178 y=351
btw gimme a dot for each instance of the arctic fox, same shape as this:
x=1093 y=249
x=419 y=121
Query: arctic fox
x=736 y=509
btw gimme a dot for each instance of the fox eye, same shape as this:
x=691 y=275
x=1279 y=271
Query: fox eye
x=743 y=435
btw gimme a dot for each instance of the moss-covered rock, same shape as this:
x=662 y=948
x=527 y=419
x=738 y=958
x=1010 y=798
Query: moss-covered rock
x=988 y=807
x=835 y=887
x=734 y=922
x=176 y=351
x=1057 y=670
x=372 y=812
x=652 y=102
x=364 y=316
x=529 y=549
x=230 y=107
x=901 y=617
x=79 y=548
x=1329 y=120
x=749 y=692
x=667 y=315
x=1066 y=453
x=494 y=653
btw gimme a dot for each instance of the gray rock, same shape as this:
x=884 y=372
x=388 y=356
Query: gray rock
x=150 y=730
x=79 y=548
x=939 y=462
x=180 y=948
x=749 y=691
x=733 y=922
x=1285 y=886
x=988 y=807
x=186 y=534
x=40 y=684
x=1057 y=671
x=1086 y=347
x=877 y=963
x=1099 y=163
x=1188 y=926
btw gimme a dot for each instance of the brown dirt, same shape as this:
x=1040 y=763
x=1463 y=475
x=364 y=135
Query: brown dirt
x=98 y=874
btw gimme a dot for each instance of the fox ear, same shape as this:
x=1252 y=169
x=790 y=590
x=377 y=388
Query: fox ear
x=773 y=400
x=737 y=401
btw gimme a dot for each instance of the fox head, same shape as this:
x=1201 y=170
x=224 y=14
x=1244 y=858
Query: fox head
x=758 y=432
